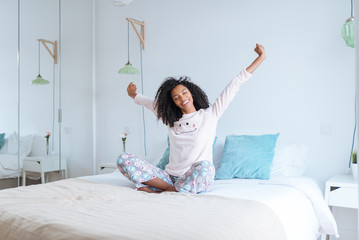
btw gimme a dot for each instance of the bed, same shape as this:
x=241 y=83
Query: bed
x=107 y=206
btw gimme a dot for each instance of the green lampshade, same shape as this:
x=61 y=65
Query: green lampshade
x=129 y=69
x=348 y=32
x=39 y=81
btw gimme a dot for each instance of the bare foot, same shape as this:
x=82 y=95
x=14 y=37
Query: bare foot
x=147 y=189
x=171 y=189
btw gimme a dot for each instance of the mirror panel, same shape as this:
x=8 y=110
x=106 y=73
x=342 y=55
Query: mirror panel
x=28 y=111
x=39 y=39
x=39 y=103
x=9 y=92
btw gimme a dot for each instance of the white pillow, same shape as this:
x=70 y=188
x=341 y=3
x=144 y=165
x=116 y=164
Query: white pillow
x=289 y=160
x=38 y=145
x=12 y=144
x=25 y=144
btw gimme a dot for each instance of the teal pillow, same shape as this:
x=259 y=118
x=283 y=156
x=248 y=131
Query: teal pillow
x=2 y=139
x=246 y=156
x=166 y=155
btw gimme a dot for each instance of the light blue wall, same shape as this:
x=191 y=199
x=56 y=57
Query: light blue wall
x=305 y=84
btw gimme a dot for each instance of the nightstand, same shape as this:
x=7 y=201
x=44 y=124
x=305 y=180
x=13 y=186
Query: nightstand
x=341 y=191
x=43 y=165
x=107 y=168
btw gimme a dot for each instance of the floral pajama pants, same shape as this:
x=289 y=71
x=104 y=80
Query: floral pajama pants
x=199 y=178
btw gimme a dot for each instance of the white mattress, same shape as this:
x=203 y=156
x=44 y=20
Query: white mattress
x=298 y=202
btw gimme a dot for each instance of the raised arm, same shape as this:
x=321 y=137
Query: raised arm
x=261 y=56
x=227 y=95
x=140 y=99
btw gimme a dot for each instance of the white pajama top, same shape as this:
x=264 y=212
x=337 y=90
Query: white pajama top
x=191 y=137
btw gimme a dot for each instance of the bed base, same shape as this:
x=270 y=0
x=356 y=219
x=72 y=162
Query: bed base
x=12 y=182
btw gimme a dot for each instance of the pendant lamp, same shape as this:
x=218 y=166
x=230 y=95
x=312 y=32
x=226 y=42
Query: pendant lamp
x=348 y=30
x=128 y=68
x=39 y=80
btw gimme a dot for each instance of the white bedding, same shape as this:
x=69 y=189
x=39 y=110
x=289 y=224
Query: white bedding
x=107 y=207
x=297 y=201
x=9 y=166
x=9 y=162
x=80 y=209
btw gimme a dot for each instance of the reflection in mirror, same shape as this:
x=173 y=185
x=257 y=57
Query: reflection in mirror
x=29 y=130
x=9 y=160
x=39 y=87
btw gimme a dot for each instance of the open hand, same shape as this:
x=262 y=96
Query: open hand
x=131 y=90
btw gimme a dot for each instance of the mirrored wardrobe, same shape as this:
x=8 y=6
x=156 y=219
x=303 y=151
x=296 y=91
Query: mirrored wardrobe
x=30 y=92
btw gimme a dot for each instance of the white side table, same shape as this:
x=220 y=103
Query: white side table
x=43 y=164
x=341 y=191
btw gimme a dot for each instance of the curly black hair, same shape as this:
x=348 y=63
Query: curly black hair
x=166 y=109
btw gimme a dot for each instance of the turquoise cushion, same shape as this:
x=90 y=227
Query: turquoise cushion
x=166 y=155
x=164 y=159
x=2 y=139
x=246 y=156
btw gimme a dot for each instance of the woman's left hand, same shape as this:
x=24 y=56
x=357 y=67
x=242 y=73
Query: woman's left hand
x=258 y=61
x=259 y=50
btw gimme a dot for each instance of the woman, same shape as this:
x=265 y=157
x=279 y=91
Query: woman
x=184 y=108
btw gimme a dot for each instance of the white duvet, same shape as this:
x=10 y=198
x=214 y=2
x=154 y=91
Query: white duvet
x=77 y=209
x=297 y=201
x=276 y=209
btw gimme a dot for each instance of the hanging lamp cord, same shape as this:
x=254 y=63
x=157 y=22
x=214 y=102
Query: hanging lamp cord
x=39 y=56
x=355 y=128
x=53 y=105
x=143 y=111
x=128 y=41
x=355 y=105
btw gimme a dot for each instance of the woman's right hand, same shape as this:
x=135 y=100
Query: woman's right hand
x=260 y=50
x=131 y=90
x=258 y=61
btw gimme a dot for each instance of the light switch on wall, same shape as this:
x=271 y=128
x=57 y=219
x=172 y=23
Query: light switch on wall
x=325 y=129
x=67 y=130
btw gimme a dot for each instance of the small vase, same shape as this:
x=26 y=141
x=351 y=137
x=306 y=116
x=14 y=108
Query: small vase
x=123 y=146
x=47 y=147
x=355 y=170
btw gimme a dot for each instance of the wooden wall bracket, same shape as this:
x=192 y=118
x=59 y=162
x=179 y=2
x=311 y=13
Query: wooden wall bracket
x=53 y=53
x=141 y=35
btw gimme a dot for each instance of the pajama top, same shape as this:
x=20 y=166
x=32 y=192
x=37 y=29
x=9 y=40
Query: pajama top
x=191 y=137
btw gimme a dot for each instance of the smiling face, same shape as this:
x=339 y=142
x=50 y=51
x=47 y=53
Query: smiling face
x=182 y=97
